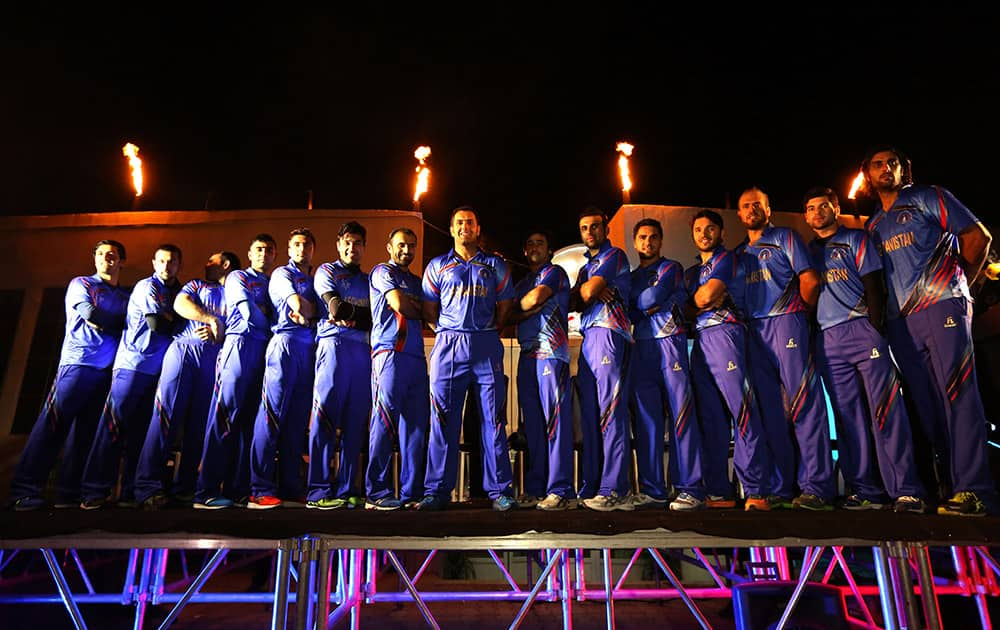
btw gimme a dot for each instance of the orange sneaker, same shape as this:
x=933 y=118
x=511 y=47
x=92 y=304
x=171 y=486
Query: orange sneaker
x=263 y=502
x=717 y=502
x=756 y=503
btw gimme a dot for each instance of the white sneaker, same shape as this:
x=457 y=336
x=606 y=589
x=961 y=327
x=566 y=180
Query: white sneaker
x=687 y=503
x=554 y=502
x=610 y=502
x=643 y=501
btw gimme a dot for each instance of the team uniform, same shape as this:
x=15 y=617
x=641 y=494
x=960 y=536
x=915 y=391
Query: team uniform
x=283 y=417
x=73 y=405
x=661 y=383
x=225 y=456
x=129 y=404
x=543 y=386
x=182 y=400
x=782 y=357
x=929 y=323
x=854 y=357
x=727 y=408
x=399 y=389
x=467 y=352
x=601 y=376
x=342 y=390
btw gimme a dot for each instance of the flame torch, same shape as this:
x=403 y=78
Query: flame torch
x=625 y=149
x=423 y=175
x=135 y=165
x=856 y=185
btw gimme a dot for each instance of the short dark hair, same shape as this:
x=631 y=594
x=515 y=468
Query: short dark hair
x=168 y=247
x=820 y=191
x=594 y=211
x=234 y=260
x=113 y=243
x=545 y=233
x=711 y=215
x=401 y=230
x=263 y=237
x=648 y=222
x=353 y=227
x=451 y=219
x=306 y=232
x=905 y=165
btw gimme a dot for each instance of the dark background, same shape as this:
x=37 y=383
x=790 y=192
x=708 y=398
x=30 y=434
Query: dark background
x=522 y=105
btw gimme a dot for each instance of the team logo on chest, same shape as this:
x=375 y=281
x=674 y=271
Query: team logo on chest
x=764 y=255
x=904 y=217
x=837 y=254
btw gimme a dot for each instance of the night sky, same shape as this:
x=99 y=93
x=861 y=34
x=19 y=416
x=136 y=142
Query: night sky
x=522 y=106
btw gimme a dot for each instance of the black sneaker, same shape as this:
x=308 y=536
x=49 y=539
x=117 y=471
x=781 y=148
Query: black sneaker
x=431 y=503
x=94 y=503
x=806 y=501
x=28 y=504
x=856 y=503
x=158 y=501
x=909 y=504
x=778 y=502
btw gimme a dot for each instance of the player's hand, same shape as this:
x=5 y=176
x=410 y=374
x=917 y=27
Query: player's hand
x=96 y=327
x=297 y=318
x=218 y=328
x=607 y=295
x=204 y=333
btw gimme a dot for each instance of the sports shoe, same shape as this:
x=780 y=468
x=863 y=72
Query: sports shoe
x=609 y=502
x=756 y=503
x=355 y=502
x=94 y=503
x=504 y=503
x=157 y=501
x=856 y=503
x=778 y=502
x=963 y=504
x=643 y=501
x=719 y=502
x=263 y=502
x=555 y=503
x=299 y=502
x=214 y=503
x=28 y=504
x=909 y=504
x=385 y=504
x=526 y=501
x=686 y=503
x=326 y=503
x=806 y=501
x=430 y=503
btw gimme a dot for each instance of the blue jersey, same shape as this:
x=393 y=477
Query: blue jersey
x=349 y=286
x=771 y=271
x=611 y=264
x=250 y=286
x=211 y=296
x=390 y=330
x=285 y=282
x=841 y=261
x=918 y=239
x=141 y=349
x=725 y=266
x=658 y=286
x=467 y=290
x=545 y=335
x=83 y=344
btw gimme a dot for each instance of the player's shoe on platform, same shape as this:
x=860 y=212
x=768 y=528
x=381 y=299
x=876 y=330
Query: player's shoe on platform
x=504 y=503
x=555 y=503
x=909 y=504
x=158 y=501
x=806 y=501
x=857 y=503
x=963 y=504
x=527 y=501
x=28 y=504
x=326 y=503
x=643 y=501
x=778 y=502
x=719 y=502
x=686 y=503
x=385 y=504
x=214 y=503
x=431 y=503
x=756 y=503
x=264 y=502
x=355 y=502
x=95 y=503
x=609 y=503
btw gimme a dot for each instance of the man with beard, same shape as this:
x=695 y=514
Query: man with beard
x=933 y=248
x=781 y=286
x=601 y=295
x=541 y=309
x=727 y=408
x=399 y=387
x=224 y=476
x=467 y=297
x=185 y=387
x=660 y=378
x=342 y=391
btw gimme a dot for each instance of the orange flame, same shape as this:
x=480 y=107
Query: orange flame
x=856 y=185
x=423 y=173
x=626 y=151
x=131 y=152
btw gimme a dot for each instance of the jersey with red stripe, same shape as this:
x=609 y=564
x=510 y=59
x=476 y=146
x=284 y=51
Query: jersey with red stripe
x=391 y=330
x=467 y=290
x=724 y=267
x=841 y=261
x=208 y=295
x=918 y=239
x=348 y=284
x=545 y=335
x=611 y=264
x=772 y=266
x=658 y=286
